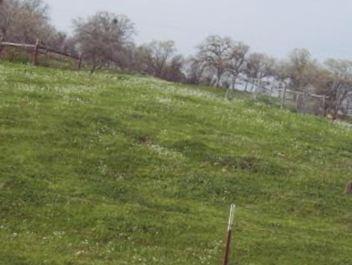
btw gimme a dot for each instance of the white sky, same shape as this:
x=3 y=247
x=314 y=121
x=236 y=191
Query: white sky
x=271 y=26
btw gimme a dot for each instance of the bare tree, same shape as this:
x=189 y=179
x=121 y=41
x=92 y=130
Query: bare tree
x=4 y=19
x=281 y=71
x=335 y=81
x=214 y=55
x=235 y=62
x=194 y=71
x=159 y=58
x=259 y=66
x=155 y=56
x=301 y=68
x=24 y=21
x=174 y=70
x=9 y=10
x=103 y=39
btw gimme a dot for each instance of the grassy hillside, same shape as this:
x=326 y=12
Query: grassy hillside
x=118 y=169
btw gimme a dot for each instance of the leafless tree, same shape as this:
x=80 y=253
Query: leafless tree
x=236 y=61
x=159 y=58
x=194 y=71
x=4 y=19
x=155 y=56
x=335 y=81
x=24 y=21
x=281 y=72
x=301 y=68
x=174 y=70
x=103 y=39
x=214 y=55
x=259 y=66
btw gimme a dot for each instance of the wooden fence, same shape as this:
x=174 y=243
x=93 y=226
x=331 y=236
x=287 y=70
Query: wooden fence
x=304 y=102
x=39 y=48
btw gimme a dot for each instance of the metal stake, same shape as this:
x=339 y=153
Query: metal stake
x=229 y=235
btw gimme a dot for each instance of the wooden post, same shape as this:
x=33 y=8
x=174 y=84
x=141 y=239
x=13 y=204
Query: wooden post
x=254 y=94
x=79 y=63
x=229 y=235
x=324 y=106
x=298 y=102
x=283 y=100
x=305 y=102
x=35 y=53
x=1 y=48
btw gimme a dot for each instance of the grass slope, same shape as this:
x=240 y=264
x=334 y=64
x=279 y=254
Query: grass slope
x=118 y=169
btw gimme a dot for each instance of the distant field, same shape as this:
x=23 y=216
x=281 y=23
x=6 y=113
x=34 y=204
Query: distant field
x=118 y=169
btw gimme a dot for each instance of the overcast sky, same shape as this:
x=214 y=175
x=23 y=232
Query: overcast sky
x=271 y=26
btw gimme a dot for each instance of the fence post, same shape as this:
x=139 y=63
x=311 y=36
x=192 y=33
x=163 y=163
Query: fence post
x=298 y=102
x=324 y=106
x=229 y=235
x=1 y=48
x=79 y=62
x=283 y=100
x=35 y=53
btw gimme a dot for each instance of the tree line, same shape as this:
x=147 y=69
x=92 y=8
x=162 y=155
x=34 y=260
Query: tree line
x=105 y=40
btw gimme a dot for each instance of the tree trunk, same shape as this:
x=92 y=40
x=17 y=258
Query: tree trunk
x=324 y=106
x=35 y=53
x=79 y=62
x=283 y=99
x=234 y=81
x=93 y=69
x=218 y=77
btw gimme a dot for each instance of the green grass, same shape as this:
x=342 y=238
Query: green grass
x=118 y=169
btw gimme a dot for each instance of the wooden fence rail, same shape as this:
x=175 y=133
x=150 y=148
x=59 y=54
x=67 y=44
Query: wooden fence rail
x=38 y=48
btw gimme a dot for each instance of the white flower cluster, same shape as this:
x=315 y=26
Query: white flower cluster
x=165 y=152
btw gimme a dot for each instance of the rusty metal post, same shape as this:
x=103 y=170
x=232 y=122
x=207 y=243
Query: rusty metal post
x=229 y=235
x=35 y=53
